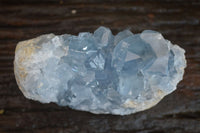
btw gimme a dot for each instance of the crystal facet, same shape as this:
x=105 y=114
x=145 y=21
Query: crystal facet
x=100 y=72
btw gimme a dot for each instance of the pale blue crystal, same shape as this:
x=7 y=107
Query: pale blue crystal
x=100 y=72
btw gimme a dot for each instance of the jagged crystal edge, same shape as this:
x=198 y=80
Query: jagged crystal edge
x=100 y=73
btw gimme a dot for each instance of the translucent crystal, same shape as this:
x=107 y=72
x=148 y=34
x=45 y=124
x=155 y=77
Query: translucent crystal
x=100 y=72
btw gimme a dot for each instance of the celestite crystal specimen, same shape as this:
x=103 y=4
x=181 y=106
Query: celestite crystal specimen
x=100 y=73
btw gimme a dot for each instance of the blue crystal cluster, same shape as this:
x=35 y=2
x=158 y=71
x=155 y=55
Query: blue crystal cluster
x=100 y=72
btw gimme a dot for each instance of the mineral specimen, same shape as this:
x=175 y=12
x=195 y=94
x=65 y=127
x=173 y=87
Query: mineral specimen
x=100 y=73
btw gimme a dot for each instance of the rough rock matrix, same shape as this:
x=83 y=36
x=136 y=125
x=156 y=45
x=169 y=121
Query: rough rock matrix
x=99 y=72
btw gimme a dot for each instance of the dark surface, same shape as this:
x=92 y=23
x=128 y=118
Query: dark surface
x=178 y=20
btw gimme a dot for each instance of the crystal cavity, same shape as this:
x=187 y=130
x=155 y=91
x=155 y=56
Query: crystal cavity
x=100 y=73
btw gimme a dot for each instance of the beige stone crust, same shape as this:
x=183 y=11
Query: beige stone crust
x=23 y=54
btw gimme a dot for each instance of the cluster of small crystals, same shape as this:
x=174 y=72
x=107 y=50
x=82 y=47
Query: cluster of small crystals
x=99 y=72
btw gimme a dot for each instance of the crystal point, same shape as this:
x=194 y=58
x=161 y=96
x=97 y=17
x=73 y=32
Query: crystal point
x=100 y=73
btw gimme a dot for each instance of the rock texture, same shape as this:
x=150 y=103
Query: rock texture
x=100 y=72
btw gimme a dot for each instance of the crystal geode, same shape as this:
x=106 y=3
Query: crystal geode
x=100 y=73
